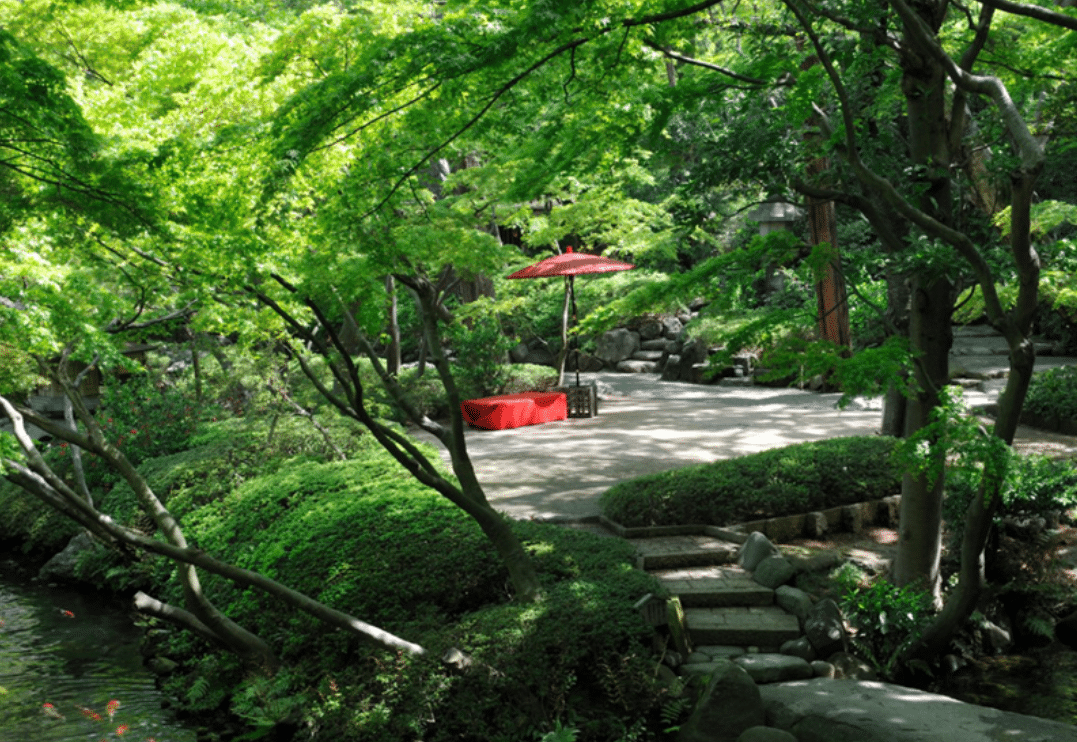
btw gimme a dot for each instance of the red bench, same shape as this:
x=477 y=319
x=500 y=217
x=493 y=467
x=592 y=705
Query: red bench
x=515 y=410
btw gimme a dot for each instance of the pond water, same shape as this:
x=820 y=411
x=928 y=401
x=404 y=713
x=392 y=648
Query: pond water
x=70 y=670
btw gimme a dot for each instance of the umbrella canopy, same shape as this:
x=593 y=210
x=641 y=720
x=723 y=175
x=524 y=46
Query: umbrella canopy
x=571 y=264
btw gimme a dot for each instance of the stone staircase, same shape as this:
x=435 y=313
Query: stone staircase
x=724 y=608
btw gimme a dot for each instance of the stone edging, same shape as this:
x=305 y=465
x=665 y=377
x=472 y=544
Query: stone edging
x=1050 y=423
x=852 y=518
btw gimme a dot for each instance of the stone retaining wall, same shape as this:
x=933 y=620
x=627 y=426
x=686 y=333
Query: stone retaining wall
x=847 y=518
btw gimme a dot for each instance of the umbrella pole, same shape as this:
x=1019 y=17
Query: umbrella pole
x=562 y=354
x=575 y=322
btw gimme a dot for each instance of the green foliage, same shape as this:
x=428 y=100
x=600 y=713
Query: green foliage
x=1033 y=485
x=783 y=481
x=955 y=441
x=1053 y=393
x=481 y=348
x=887 y=618
x=146 y=419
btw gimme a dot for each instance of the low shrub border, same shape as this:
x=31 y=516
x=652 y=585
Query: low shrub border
x=817 y=480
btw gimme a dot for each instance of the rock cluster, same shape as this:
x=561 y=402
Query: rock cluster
x=795 y=696
x=650 y=344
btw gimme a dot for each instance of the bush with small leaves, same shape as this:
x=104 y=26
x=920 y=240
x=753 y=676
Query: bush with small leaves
x=782 y=481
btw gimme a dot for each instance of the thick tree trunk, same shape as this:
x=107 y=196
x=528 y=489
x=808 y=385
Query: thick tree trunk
x=897 y=320
x=920 y=532
x=979 y=516
x=924 y=87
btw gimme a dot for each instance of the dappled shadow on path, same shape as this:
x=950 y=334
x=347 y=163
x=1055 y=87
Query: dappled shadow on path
x=560 y=468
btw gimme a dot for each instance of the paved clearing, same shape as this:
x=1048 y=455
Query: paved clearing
x=645 y=425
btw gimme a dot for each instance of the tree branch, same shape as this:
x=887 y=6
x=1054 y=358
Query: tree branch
x=706 y=65
x=1035 y=11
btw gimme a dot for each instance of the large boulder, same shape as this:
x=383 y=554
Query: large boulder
x=773 y=571
x=632 y=366
x=519 y=353
x=824 y=628
x=730 y=705
x=651 y=329
x=671 y=327
x=766 y=734
x=540 y=357
x=588 y=363
x=694 y=351
x=793 y=600
x=672 y=370
x=824 y=710
x=755 y=549
x=774 y=668
x=61 y=568
x=617 y=345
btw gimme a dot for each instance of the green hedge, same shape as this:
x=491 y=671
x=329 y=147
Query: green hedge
x=782 y=481
x=1053 y=393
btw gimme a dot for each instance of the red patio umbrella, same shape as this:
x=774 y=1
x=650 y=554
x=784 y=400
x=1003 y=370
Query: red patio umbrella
x=572 y=264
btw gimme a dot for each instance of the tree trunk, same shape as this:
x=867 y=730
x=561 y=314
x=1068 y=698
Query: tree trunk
x=196 y=366
x=897 y=321
x=473 y=500
x=920 y=532
x=831 y=298
x=1017 y=327
x=392 y=355
x=924 y=87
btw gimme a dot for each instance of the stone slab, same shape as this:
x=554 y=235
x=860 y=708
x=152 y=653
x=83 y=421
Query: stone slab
x=763 y=626
x=824 y=710
x=773 y=668
x=718 y=592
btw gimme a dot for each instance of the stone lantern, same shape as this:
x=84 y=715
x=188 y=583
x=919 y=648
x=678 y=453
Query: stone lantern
x=775 y=214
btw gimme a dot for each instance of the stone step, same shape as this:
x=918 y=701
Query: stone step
x=713 y=593
x=647 y=355
x=683 y=551
x=766 y=627
x=638 y=367
x=714 y=586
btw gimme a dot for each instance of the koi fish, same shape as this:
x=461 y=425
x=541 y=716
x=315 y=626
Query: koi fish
x=66 y=614
x=50 y=710
x=112 y=707
x=89 y=713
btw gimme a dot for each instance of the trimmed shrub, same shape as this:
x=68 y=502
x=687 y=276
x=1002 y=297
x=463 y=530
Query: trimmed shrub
x=1053 y=393
x=782 y=481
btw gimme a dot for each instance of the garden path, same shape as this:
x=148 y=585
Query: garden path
x=558 y=470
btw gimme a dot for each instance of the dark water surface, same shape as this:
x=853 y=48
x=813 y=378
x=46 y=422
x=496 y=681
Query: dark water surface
x=77 y=652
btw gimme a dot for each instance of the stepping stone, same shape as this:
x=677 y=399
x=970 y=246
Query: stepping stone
x=683 y=551
x=767 y=627
x=715 y=586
